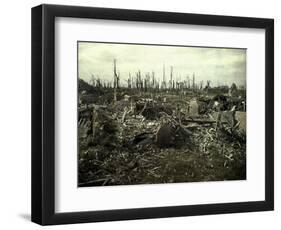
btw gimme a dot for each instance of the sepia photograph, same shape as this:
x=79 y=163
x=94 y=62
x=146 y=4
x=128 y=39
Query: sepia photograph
x=155 y=114
x=141 y=114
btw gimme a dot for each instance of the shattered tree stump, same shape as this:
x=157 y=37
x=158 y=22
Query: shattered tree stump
x=193 y=108
x=165 y=135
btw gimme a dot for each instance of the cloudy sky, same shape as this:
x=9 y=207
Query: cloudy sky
x=221 y=66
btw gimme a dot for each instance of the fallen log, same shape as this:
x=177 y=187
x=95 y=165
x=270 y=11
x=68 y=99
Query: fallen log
x=201 y=121
x=193 y=120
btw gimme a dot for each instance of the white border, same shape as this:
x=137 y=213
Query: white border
x=69 y=198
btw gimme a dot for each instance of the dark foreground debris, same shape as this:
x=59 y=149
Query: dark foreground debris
x=143 y=140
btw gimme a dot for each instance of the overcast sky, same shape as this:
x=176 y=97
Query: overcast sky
x=221 y=66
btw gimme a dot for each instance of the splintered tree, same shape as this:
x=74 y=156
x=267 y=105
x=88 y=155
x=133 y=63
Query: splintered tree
x=98 y=83
x=147 y=81
x=233 y=90
x=164 y=78
x=129 y=81
x=145 y=84
x=188 y=81
x=153 y=80
x=171 y=79
x=207 y=87
x=92 y=81
x=115 y=81
x=193 y=81
x=118 y=80
x=116 y=77
x=201 y=85
x=139 y=82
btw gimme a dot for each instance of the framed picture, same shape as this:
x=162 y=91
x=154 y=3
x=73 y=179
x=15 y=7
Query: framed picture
x=141 y=114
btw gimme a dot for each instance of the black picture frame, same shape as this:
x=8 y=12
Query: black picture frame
x=43 y=114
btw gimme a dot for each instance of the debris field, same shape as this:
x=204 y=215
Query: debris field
x=131 y=136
